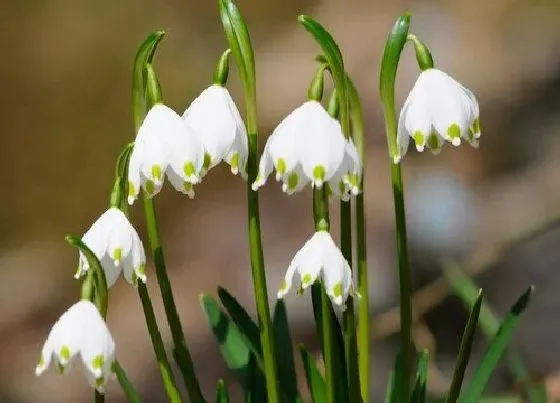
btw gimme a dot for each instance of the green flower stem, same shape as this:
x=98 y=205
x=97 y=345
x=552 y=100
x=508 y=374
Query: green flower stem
x=358 y=134
x=239 y=42
x=391 y=55
x=181 y=350
x=321 y=217
x=130 y=392
x=159 y=348
x=184 y=362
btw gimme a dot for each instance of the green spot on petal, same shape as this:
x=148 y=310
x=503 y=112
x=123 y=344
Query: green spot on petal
x=156 y=172
x=131 y=189
x=293 y=180
x=454 y=131
x=187 y=186
x=283 y=285
x=65 y=353
x=234 y=161
x=319 y=172
x=98 y=362
x=189 y=169
x=354 y=180
x=117 y=254
x=207 y=160
x=99 y=382
x=149 y=187
x=419 y=138
x=281 y=166
x=306 y=279
x=141 y=269
x=337 y=290
x=476 y=125
x=59 y=368
x=41 y=362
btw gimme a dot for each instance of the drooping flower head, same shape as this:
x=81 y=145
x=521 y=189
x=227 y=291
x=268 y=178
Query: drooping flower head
x=215 y=119
x=437 y=109
x=309 y=146
x=80 y=330
x=320 y=258
x=164 y=145
x=118 y=247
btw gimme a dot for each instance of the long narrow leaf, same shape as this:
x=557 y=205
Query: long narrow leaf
x=315 y=380
x=496 y=349
x=284 y=353
x=393 y=383
x=242 y=319
x=419 y=393
x=465 y=350
x=130 y=392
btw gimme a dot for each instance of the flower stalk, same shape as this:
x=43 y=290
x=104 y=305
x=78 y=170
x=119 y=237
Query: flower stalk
x=358 y=135
x=391 y=56
x=239 y=42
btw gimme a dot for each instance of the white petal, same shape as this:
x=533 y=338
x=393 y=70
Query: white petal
x=402 y=134
x=179 y=183
x=295 y=180
x=265 y=167
x=417 y=118
x=320 y=143
x=119 y=235
x=212 y=117
x=287 y=282
x=309 y=260
x=337 y=276
x=134 y=181
x=186 y=154
x=134 y=266
x=97 y=348
x=153 y=139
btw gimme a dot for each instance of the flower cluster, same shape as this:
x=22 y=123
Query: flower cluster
x=438 y=109
x=308 y=146
x=185 y=148
x=80 y=330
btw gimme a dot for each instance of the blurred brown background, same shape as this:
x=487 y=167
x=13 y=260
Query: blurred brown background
x=65 y=109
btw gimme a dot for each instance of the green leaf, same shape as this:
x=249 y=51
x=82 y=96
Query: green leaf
x=465 y=350
x=393 y=383
x=242 y=319
x=419 y=394
x=101 y=293
x=315 y=380
x=255 y=388
x=144 y=56
x=131 y=394
x=221 y=392
x=465 y=288
x=496 y=349
x=284 y=353
x=232 y=344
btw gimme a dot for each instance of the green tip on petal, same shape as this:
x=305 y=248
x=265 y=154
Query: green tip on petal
x=476 y=125
x=306 y=279
x=433 y=141
x=189 y=169
x=117 y=254
x=319 y=172
x=131 y=189
x=234 y=161
x=337 y=290
x=454 y=133
x=281 y=166
x=141 y=269
x=41 y=362
x=65 y=353
x=156 y=172
x=419 y=138
x=98 y=362
x=207 y=161
x=283 y=286
x=293 y=180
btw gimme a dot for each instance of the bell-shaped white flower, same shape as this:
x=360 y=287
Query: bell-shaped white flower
x=118 y=247
x=214 y=117
x=438 y=108
x=80 y=330
x=320 y=257
x=309 y=146
x=164 y=145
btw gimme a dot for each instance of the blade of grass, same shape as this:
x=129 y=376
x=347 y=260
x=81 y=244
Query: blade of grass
x=465 y=350
x=419 y=393
x=496 y=349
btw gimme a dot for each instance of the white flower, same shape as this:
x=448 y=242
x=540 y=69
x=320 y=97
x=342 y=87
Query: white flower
x=438 y=108
x=216 y=120
x=80 y=330
x=309 y=146
x=164 y=145
x=117 y=246
x=320 y=257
